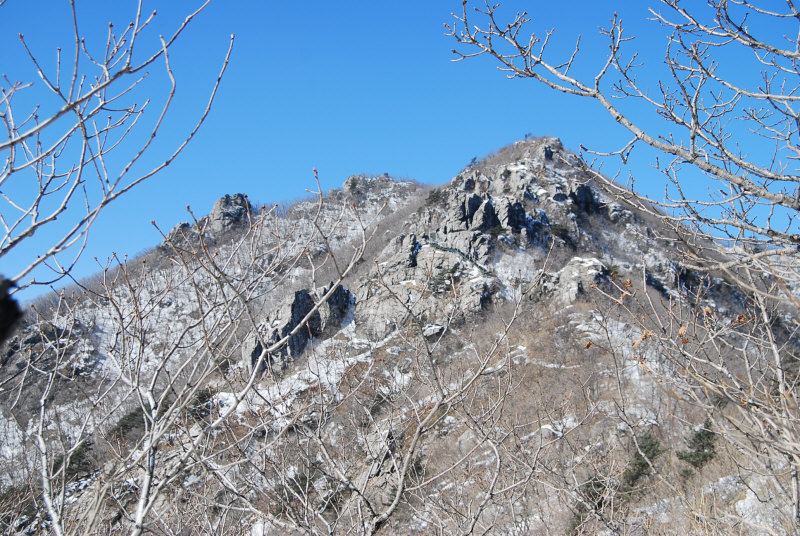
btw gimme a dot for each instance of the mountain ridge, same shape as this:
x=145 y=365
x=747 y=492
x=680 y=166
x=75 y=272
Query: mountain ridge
x=482 y=356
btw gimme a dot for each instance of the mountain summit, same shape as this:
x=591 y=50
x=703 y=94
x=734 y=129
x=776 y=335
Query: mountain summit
x=503 y=354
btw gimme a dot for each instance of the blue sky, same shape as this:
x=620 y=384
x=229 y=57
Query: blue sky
x=346 y=87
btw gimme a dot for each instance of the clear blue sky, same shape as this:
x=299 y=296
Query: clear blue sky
x=346 y=87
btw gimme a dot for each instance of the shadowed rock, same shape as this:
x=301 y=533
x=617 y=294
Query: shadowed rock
x=9 y=310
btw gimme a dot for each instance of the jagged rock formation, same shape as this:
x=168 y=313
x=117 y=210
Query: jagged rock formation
x=451 y=245
x=229 y=211
x=289 y=320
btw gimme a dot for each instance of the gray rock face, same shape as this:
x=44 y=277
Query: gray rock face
x=421 y=272
x=302 y=305
x=180 y=235
x=511 y=214
x=229 y=211
x=334 y=313
x=457 y=209
x=471 y=206
x=573 y=280
x=584 y=199
x=413 y=247
x=251 y=351
x=485 y=218
x=290 y=316
x=324 y=322
x=532 y=192
x=473 y=245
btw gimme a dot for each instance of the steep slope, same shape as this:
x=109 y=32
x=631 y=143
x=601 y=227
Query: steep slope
x=491 y=356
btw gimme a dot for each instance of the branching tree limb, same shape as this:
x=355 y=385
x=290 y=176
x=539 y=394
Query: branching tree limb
x=63 y=167
x=736 y=134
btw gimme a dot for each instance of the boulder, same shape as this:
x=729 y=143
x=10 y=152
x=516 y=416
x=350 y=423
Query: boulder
x=432 y=330
x=180 y=236
x=479 y=293
x=10 y=313
x=617 y=214
x=302 y=305
x=287 y=317
x=411 y=248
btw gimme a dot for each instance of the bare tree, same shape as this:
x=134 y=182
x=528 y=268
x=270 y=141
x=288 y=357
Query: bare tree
x=736 y=134
x=138 y=413
x=85 y=143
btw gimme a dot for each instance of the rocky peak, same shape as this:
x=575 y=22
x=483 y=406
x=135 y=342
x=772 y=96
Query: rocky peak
x=228 y=212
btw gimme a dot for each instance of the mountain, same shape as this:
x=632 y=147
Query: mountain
x=516 y=352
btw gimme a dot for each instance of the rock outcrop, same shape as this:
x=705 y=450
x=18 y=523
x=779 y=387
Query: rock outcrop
x=573 y=281
x=324 y=321
x=228 y=212
x=334 y=313
x=181 y=236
